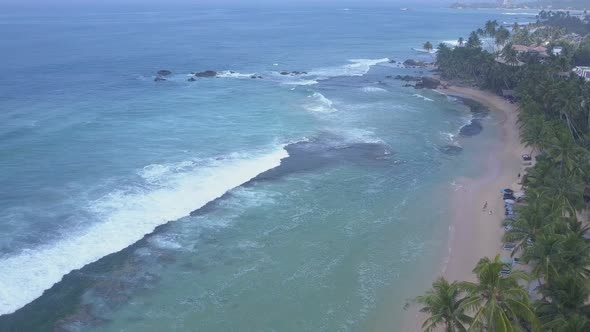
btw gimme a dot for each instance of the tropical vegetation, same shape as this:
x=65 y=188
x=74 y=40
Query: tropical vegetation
x=548 y=231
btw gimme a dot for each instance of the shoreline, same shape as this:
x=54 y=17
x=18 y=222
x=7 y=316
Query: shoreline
x=475 y=233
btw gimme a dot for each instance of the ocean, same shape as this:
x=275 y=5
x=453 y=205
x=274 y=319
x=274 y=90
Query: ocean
x=314 y=201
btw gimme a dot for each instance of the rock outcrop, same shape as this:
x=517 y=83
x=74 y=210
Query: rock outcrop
x=472 y=129
x=415 y=63
x=164 y=72
x=207 y=73
x=427 y=83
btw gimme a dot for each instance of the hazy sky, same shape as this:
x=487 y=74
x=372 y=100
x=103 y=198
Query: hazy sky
x=222 y=3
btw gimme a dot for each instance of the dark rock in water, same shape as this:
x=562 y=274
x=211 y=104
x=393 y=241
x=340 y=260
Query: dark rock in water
x=478 y=110
x=430 y=83
x=415 y=63
x=159 y=79
x=389 y=76
x=284 y=73
x=207 y=73
x=427 y=83
x=407 y=78
x=192 y=79
x=392 y=61
x=253 y=76
x=259 y=76
x=472 y=129
x=407 y=86
x=164 y=72
x=451 y=149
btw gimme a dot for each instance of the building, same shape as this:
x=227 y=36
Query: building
x=583 y=72
x=540 y=50
x=557 y=50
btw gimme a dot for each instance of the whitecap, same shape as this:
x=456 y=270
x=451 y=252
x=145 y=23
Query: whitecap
x=372 y=89
x=301 y=82
x=356 y=67
x=422 y=97
x=319 y=103
x=125 y=216
x=451 y=42
x=234 y=74
x=534 y=14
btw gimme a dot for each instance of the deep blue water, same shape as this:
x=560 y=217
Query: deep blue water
x=94 y=155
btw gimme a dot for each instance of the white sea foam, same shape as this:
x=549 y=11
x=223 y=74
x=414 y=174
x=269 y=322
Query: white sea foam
x=534 y=14
x=319 y=103
x=234 y=74
x=356 y=67
x=422 y=97
x=372 y=89
x=451 y=42
x=125 y=217
x=301 y=82
x=421 y=50
x=448 y=136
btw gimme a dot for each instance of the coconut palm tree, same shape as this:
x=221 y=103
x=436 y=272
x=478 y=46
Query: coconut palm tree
x=515 y=27
x=427 y=46
x=563 y=303
x=473 y=41
x=531 y=222
x=460 y=41
x=499 y=303
x=510 y=55
x=573 y=323
x=501 y=36
x=534 y=131
x=544 y=253
x=443 y=303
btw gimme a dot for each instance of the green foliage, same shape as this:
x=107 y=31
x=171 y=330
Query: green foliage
x=554 y=119
x=444 y=304
x=499 y=303
x=581 y=57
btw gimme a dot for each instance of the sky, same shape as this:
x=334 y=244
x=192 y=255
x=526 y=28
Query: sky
x=221 y=3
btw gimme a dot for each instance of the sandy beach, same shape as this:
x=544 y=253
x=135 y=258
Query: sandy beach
x=474 y=232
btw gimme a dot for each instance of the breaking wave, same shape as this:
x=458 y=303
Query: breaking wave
x=126 y=216
x=319 y=103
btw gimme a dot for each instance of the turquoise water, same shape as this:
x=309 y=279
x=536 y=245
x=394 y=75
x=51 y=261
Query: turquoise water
x=115 y=216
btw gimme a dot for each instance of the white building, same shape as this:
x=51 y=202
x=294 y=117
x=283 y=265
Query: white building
x=557 y=50
x=582 y=72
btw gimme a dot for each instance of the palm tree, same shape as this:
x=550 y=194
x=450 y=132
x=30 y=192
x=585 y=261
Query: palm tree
x=534 y=132
x=501 y=36
x=566 y=153
x=563 y=303
x=428 y=46
x=460 y=41
x=499 y=303
x=574 y=323
x=515 y=27
x=510 y=55
x=473 y=41
x=544 y=253
x=490 y=28
x=531 y=222
x=443 y=303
